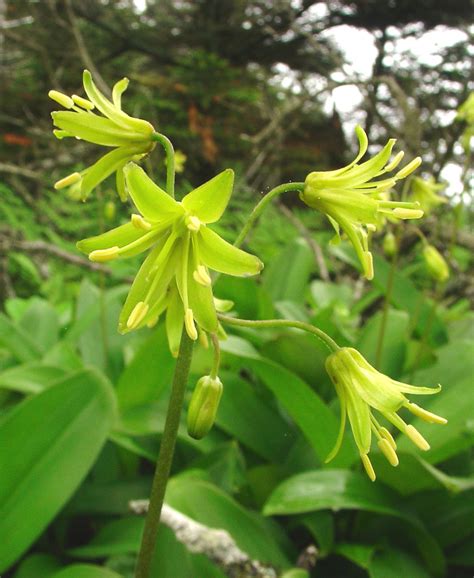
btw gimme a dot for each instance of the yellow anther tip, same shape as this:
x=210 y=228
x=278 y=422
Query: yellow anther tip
x=103 y=255
x=388 y=451
x=140 y=223
x=137 y=315
x=189 y=324
x=60 y=98
x=369 y=469
x=67 y=181
x=193 y=223
x=417 y=438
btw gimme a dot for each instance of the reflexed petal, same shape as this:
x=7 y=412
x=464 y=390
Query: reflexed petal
x=174 y=320
x=209 y=201
x=359 y=417
x=117 y=237
x=151 y=200
x=120 y=184
x=340 y=436
x=93 y=128
x=119 y=88
x=221 y=256
x=104 y=167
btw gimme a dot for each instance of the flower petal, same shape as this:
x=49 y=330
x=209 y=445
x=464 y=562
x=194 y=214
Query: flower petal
x=118 y=237
x=359 y=417
x=221 y=256
x=104 y=167
x=151 y=200
x=174 y=320
x=340 y=436
x=119 y=88
x=209 y=201
x=93 y=128
x=201 y=300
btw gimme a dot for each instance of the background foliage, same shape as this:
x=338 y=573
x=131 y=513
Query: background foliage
x=243 y=84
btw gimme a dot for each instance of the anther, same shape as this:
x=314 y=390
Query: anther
x=189 y=324
x=368 y=467
x=388 y=451
x=61 y=98
x=409 y=168
x=137 y=315
x=401 y=213
x=139 y=222
x=424 y=414
x=193 y=223
x=67 y=181
x=82 y=102
x=202 y=277
x=103 y=255
x=395 y=162
x=383 y=431
x=417 y=438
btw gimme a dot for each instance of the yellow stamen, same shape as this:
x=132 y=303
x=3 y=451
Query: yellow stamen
x=388 y=436
x=103 y=255
x=388 y=451
x=369 y=263
x=417 y=438
x=61 y=98
x=201 y=276
x=139 y=222
x=67 y=181
x=401 y=213
x=137 y=315
x=425 y=415
x=409 y=168
x=189 y=324
x=82 y=102
x=193 y=223
x=396 y=161
x=203 y=340
x=368 y=467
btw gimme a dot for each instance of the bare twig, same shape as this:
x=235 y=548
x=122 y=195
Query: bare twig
x=217 y=545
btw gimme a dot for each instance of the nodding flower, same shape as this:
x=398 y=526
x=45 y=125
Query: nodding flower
x=354 y=202
x=175 y=275
x=361 y=390
x=131 y=138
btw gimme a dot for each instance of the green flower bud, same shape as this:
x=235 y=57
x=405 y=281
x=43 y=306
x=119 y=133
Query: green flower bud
x=202 y=409
x=390 y=245
x=435 y=263
x=110 y=210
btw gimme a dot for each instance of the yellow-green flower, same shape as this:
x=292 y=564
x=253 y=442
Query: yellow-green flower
x=362 y=389
x=175 y=276
x=425 y=192
x=435 y=263
x=354 y=202
x=130 y=137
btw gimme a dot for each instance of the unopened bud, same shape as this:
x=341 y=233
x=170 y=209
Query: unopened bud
x=435 y=263
x=203 y=407
x=389 y=245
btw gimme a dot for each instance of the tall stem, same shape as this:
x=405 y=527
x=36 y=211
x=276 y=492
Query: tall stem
x=260 y=207
x=165 y=458
x=319 y=333
x=386 y=305
x=169 y=151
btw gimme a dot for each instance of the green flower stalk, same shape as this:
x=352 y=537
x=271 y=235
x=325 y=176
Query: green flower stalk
x=203 y=406
x=435 y=263
x=362 y=389
x=354 y=202
x=131 y=138
x=425 y=192
x=175 y=276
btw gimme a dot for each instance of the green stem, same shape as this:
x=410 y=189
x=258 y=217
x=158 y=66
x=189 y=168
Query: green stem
x=217 y=355
x=386 y=305
x=165 y=458
x=169 y=151
x=262 y=323
x=261 y=205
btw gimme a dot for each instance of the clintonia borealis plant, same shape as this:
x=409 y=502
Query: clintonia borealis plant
x=175 y=277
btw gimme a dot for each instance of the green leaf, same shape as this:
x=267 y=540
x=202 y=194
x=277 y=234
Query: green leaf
x=394 y=342
x=210 y=506
x=117 y=537
x=41 y=322
x=388 y=563
x=86 y=571
x=244 y=415
x=360 y=554
x=38 y=566
x=321 y=526
x=60 y=430
x=286 y=278
x=30 y=377
x=17 y=341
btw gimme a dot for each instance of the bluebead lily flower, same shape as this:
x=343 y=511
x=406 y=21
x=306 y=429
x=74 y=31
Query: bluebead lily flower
x=131 y=138
x=175 y=276
x=354 y=201
x=361 y=390
x=425 y=192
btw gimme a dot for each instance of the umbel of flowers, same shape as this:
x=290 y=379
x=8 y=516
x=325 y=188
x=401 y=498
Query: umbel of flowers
x=175 y=277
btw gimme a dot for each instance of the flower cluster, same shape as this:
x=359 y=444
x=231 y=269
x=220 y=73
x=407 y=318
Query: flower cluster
x=175 y=276
x=425 y=192
x=130 y=137
x=362 y=389
x=354 y=202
